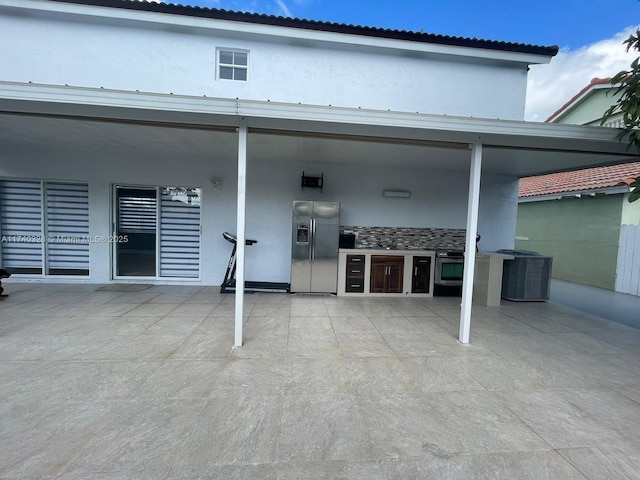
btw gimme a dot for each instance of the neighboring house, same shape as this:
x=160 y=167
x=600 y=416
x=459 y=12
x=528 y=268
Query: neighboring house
x=180 y=123
x=588 y=106
x=582 y=218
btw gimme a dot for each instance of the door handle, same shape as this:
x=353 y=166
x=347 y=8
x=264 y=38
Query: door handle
x=312 y=253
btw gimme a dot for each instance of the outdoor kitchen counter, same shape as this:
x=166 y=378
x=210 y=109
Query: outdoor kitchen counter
x=384 y=251
x=487 y=280
x=356 y=281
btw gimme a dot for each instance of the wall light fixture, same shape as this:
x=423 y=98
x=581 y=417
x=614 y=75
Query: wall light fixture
x=396 y=193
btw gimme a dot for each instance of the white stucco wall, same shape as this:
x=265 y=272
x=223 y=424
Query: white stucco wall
x=150 y=58
x=438 y=199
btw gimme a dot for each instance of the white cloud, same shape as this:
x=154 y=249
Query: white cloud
x=551 y=86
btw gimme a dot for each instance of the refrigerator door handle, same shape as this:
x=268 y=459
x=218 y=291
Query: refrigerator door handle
x=312 y=241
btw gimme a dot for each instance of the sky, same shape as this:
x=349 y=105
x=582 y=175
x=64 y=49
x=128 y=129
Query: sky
x=589 y=32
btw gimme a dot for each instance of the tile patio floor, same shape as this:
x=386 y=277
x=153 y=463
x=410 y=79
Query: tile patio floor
x=100 y=384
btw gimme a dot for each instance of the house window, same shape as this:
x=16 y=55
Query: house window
x=44 y=227
x=233 y=65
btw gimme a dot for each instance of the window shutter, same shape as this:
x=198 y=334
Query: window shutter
x=137 y=214
x=180 y=232
x=67 y=218
x=21 y=225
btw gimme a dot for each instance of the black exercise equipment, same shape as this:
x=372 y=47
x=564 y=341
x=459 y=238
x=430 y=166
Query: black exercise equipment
x=229 y=282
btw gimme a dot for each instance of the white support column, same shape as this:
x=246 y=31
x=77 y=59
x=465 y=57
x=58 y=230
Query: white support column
x=470 y=245
x=240 y=229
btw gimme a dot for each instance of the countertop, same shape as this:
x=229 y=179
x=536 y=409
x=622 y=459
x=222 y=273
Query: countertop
x=386 y=251
x=504 y=256
x=411 y=251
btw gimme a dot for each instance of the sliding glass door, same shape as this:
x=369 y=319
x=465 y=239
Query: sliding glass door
x=135 y=237
x=179 y=247
x=157 y=231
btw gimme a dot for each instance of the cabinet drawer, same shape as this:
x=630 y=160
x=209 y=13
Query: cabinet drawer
x=355 y=260
x=354 y=285
x=355 y=271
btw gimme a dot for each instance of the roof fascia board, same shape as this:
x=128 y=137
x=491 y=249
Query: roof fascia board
x=233 y=27
x=620 y=189
x=36 y=98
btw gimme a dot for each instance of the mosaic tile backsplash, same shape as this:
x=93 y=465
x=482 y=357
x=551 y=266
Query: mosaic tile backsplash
x=408 y=238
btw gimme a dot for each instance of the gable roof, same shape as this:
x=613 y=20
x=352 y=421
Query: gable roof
x=579 y=180
x=593 y=84
x=219 y=14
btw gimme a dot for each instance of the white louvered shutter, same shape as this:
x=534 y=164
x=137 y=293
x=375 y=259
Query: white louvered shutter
x=67 y=220
x=21 y=226
x=136 y=214
x=180 y=232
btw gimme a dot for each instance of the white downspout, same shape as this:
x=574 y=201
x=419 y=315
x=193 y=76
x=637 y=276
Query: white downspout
x=240 y=230
x=470 y=244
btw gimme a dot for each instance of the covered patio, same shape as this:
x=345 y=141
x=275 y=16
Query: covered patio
x=125 y=381
x=64 y=119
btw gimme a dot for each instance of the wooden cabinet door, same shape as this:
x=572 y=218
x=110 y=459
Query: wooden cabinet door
x=378 y=277
x=386 y=274
x=421 y=276
x=394 y=278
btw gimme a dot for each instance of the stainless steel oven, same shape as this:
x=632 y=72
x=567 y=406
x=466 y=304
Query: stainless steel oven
x=449 y=267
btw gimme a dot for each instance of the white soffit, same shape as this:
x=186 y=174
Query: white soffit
x=510 y=147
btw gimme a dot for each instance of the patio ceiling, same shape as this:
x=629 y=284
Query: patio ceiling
x=36 y=119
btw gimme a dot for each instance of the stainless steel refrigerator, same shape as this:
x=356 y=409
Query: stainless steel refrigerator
x=314 y=247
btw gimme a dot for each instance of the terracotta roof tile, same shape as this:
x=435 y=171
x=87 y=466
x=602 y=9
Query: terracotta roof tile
x=579 y=180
